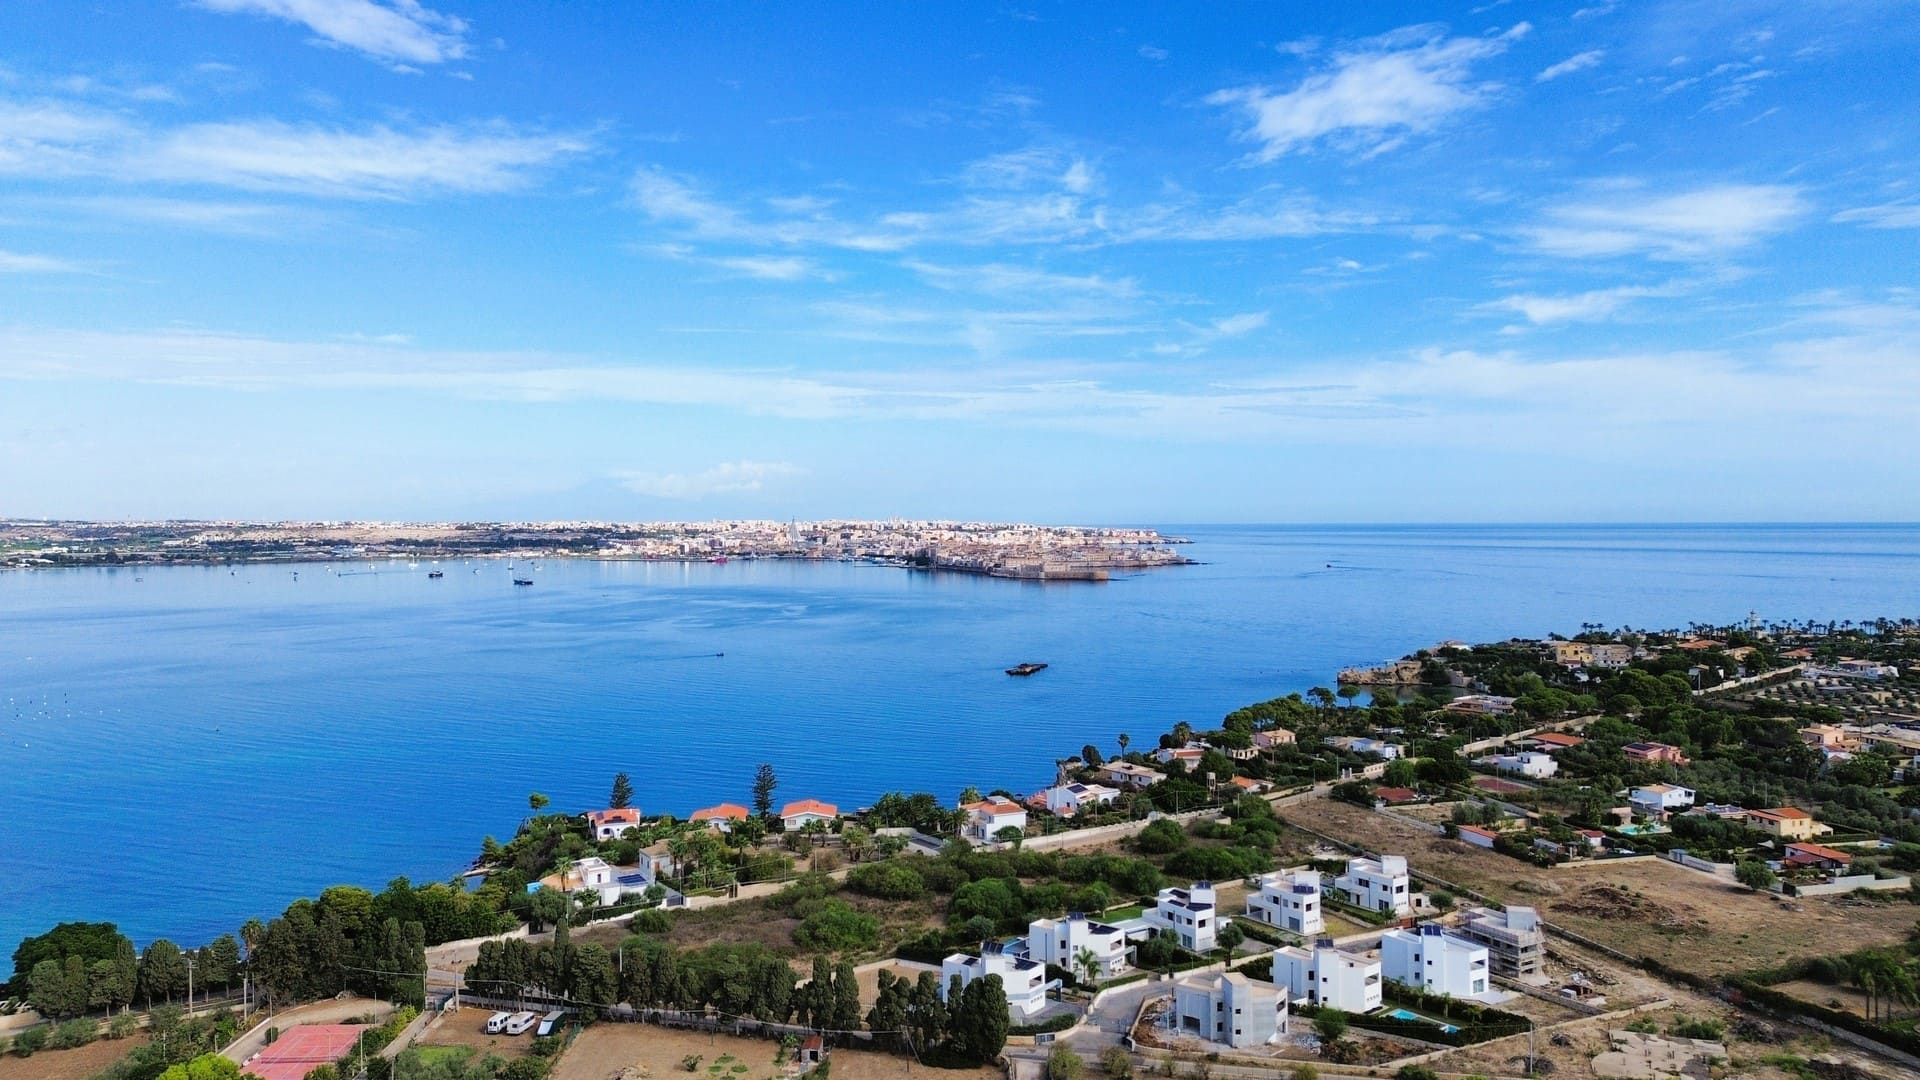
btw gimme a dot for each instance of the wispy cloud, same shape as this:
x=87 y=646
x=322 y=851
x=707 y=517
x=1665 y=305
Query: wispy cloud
x=47 y=140
x=1576 y=62
x=1153 y=52
x=12 y=262
x=1371 y=97
x=398 y=33
x=1002 y=278
x=1589 y=306
x=726 y=478
x=1701 y=223
x=1884 y=216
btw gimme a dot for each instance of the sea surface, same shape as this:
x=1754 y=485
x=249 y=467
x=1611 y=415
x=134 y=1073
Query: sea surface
x=184 y=748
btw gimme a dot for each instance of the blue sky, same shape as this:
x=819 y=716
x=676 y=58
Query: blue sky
x=1513 y=261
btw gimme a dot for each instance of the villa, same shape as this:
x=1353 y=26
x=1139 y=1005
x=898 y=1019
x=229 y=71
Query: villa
x=611 y=824
x=720 y=817
x=1530 y=763
x=1434 y=961
x=1228 y=1008
x=1656 y=799
x=1328 y=976
x=1377 y=885
x=1290 y=900
x=1125 y=774
x=1787 y=823
x=1553 y=741
x=1190 y=913
x=987 y=817
x=1069 y=799
x=1188 y=755
x=1061 y=942
x=1024 y=980
x=803 y=812
x=1360 y=744
x=1655 y=753
x=1272 y=738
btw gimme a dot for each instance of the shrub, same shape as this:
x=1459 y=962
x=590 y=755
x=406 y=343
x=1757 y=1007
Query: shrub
x=1117 y=1063
x=30 y=1040
x=1163 y=837
x=836 y=927
x=890 y=880
x=122 y=1025
x=1063 y=1064
x=651 y=921
x=1710 y=1030
x=74 y=1033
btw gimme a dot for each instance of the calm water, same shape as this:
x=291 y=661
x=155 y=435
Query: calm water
x=182 y=752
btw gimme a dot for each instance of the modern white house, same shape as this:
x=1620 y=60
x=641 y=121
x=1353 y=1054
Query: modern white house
x=1190 y=913
x=1024 y=980
x=1228 y=1008
x=1360 y=744
x=1380 y=884
x=610 y=824
x=611 y=883
x=1325 y=975
x=1530 y=763
x=1188 y=755
x=987 y=817
x=1059 y=942
x=1432 y=960
x=1290 y=900
x=1655 y=798
x=1070 y=799
x=800 y=813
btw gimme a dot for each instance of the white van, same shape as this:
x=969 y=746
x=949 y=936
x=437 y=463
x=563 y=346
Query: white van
x=498 y=1022
x=550 y=1021
x=521 y=1023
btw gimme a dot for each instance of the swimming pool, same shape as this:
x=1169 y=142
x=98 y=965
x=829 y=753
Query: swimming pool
x=1405 y=1014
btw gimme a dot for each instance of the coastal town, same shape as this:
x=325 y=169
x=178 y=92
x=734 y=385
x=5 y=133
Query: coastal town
x=1619 y=854
x=1009 y=550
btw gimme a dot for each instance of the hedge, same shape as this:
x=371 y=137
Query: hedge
x=1061 y=1022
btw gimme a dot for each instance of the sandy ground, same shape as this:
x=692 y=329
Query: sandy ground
x=1845 y=998
x=870 y=979
x=1649 y=908
x=468 y=1027
x=656 y=1053
x=68 y=1064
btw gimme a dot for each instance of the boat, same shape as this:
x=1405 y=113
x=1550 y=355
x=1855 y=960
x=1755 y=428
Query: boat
x=718 y=559
x=436 y=574
x=523 y=581
x=1026 y=669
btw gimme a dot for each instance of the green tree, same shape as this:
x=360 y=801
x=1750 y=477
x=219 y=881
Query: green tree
x=765 y=783
x=52 y=994
x=1063 y=1063
x=1125 y=741
x=222 y=964
x=892 y=1004
x=1231 y=936
x=979 y=1029
x=846 y=997
x=537 y=802
x=1754 y=874
x=927 y=1014
x=30 y=1040
x=1330 y=1025
x=1117 y=1063
x=622 y=794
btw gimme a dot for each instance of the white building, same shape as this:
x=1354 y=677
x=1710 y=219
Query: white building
x=1377 y=885
x=1190 y=913
x=1435 y=961
x=801 y=813
x=1359 y=744
x=610 y=883
x=1290 y=900
x=1059 y=942
x=1531 y=763
x=1658 y=797
x=987 y=817
x=1125 y=774
x=1325 y=975
x=1228 y=1008
x=1069 y=799
x=610 y=824
x=1024 y=980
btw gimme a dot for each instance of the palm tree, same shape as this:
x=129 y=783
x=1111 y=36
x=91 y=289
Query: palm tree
x=1087 y=962
x=1125 y=740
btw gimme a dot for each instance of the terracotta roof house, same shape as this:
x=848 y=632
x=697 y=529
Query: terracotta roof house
x=1787 y=822
x=1556 y=740
x=609 y=824
x=1818 y=855
x=1393 y=795
x=1654 y=751
x=800 y=812
x=720 y=817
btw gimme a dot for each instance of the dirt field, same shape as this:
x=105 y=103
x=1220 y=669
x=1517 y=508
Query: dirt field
x=67 y=1064
x=468 y=1027
x=870 y=979
x=656 y=1053
x=1844 y=998
x=1683 y=918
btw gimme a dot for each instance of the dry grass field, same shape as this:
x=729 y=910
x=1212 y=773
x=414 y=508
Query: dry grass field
x=644 y=1052
x=68 y=1064
x=468 y=1027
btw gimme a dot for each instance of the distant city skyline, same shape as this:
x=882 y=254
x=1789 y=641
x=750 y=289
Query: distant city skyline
x=359 y=259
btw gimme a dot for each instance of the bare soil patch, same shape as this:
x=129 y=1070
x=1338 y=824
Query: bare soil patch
x=646 y=1052
x=468 y=1027
x=77 y=1064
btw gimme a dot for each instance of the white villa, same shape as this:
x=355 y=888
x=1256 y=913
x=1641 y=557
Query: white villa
x=1060 y=941
x=1435 y=961
x=1290 y=900
x=1069 y=799
x=1325 y=975
x=987 y=817
x=1024 y=980
x=1380 y=884
x=1190 y=913
x=1655 y=798
x=1530 y=763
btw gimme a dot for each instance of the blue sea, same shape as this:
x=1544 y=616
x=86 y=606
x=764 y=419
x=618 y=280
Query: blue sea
x=184 y=748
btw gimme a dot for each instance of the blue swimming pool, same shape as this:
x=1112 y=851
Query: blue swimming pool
x=1405 y=1014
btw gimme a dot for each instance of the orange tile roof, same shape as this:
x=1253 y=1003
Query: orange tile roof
x=1819 y=851
x=602 y=817
x=809 y=806
x=1556 y=738
x=725 y=811
x=993 y=806
x=1789 y=813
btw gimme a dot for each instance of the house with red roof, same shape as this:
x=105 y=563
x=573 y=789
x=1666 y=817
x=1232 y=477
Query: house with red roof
x=1555 y=741
x=803 y=812
x=1816 y=856
x=986 y=817
x=1787 y=823
x=1478 y=837
x=611 y=824
x=720 y=817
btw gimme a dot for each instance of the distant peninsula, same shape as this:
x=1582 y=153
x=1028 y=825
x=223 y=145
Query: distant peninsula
x=996 y=549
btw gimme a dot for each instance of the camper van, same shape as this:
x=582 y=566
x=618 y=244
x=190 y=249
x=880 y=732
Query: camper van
x=550 y=1021
x=498 y=1022
x=521 y=1023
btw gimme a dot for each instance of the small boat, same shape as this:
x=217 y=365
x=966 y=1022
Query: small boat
x=718 y=559
x=523 y=581
x=435 y=574
x=1026 y=669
